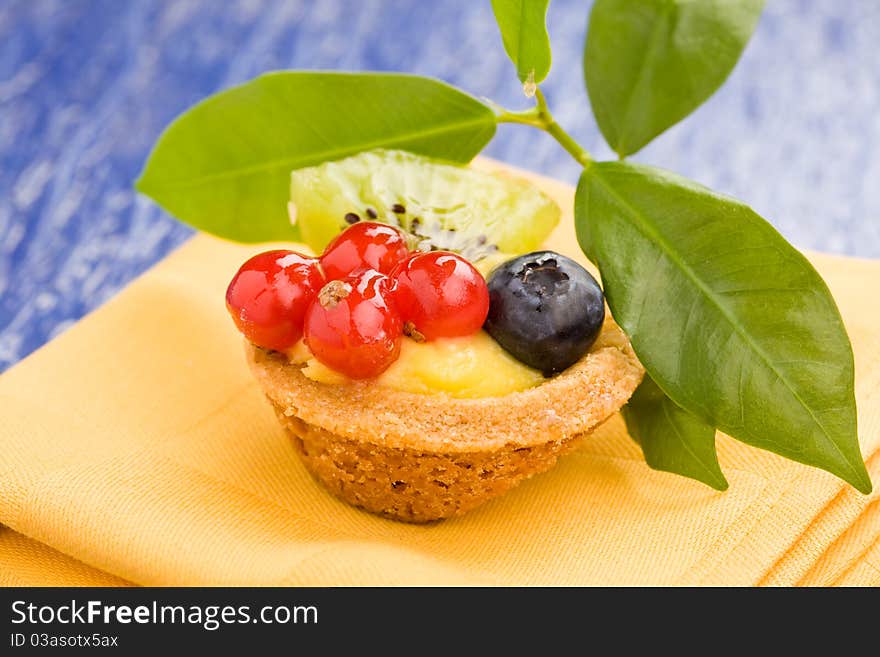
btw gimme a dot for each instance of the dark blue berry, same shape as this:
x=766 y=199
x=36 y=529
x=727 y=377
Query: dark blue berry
x=545 y=310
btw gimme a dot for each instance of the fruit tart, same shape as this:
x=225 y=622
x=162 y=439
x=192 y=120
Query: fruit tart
x=419 y=366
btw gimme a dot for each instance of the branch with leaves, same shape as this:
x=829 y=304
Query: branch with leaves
x=736 y=329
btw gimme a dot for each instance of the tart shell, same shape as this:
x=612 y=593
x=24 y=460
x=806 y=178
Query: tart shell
x=419 y=458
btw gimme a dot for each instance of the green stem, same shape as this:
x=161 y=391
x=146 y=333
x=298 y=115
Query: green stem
x=541 y=118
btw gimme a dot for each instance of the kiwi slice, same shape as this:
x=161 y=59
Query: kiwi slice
x=440 y=205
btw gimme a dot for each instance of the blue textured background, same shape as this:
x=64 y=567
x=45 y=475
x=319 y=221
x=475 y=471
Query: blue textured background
x=87 y=85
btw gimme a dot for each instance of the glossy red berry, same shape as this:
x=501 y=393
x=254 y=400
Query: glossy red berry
x=270 y=294
x=364 y=245
x=352 y=326
x=440 y=295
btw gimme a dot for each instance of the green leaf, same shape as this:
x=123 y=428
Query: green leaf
x=672 y=439
x=524 y=33
x=650 y=63
x=224 y=165
x=730 y=320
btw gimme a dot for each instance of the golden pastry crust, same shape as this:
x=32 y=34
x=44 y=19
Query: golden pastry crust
x=572 y=402
x=415 y=485
x=418 y=457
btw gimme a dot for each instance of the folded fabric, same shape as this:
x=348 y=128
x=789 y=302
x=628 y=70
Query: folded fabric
x=26 y=562
x=135 y=448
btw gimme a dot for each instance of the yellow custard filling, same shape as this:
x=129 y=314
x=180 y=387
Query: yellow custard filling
x=473 y=366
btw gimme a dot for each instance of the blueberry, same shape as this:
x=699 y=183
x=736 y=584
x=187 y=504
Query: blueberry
x=545 y=310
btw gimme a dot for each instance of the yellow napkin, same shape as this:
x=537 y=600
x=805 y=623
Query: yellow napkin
x=136 y=449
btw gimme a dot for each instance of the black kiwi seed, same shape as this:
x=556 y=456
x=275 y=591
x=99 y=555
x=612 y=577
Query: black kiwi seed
x=397 y=208
x=351 y=218
x=415 y=223
x=482 y=239
x=371 y=213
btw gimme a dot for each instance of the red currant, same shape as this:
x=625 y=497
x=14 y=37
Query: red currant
x=440 y=294
x=366 y=244
x=269 y=295
x=352 y=327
